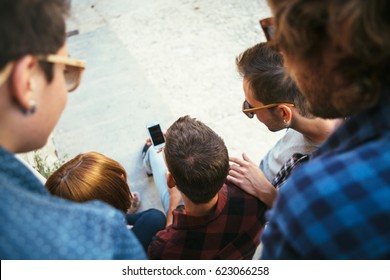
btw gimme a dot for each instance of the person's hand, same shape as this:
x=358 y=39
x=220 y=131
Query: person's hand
x=245 y=174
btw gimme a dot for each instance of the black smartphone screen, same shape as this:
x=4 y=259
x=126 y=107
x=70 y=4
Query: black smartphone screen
x=156 y=135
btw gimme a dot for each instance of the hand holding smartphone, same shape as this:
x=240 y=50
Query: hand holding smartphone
x=156 y=135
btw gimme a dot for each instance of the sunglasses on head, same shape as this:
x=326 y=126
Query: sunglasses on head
x=268 y=28
x=73 y=69
x=249 y=111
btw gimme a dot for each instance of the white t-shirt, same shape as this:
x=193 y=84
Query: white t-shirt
x=292 y=142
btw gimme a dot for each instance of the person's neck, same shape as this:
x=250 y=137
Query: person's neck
x=202 y=209
x=14 y=127
x=316 y=129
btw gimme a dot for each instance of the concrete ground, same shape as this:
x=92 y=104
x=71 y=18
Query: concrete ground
x=156 y=60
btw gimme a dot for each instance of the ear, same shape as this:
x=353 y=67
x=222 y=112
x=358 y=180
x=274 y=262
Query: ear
x=171 y=182
x=22 y=81
x=285 y=113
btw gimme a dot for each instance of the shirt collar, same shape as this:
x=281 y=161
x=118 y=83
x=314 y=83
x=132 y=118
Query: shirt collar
x=182 y=220
x=12 y=171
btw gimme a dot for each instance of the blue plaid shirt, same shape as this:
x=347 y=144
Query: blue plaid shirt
x=37 y=225
x=337 y=206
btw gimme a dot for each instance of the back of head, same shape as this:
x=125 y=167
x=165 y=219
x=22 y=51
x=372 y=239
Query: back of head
x=197 y=159
x=263 y=67
x=91 y=176
x=34 y=27
x=346 y=42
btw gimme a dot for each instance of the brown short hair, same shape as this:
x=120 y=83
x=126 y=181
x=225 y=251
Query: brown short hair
x=263 y=68
x=92 y=176
x=34 y=27
x=197 y=159
x=354 y=33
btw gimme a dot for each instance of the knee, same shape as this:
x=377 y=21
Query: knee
x=156 y=216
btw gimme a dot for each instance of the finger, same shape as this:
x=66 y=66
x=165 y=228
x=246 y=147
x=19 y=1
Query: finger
x=233 y=180
x=148 y=141
x=234 y=159
x=236 y=168
x=246 y=158
x=239 y=161
x=235 y=174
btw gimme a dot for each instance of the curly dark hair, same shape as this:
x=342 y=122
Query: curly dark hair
x=350 y=36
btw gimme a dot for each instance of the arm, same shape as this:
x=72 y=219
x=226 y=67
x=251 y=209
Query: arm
x=275 y=245
x=247 y=176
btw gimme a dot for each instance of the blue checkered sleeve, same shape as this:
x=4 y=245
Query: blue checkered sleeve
x=337 y=206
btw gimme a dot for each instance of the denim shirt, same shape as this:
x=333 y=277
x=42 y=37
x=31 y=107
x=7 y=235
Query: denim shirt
x=337 y=205
x=37 y=225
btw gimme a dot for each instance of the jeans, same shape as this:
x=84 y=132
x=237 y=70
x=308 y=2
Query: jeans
x=154 y=164
x=146 y=224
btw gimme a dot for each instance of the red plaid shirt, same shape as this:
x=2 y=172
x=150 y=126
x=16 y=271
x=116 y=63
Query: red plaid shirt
x=231 y=232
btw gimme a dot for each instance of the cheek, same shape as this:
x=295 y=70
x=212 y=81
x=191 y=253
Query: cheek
x=55 y=98
x=60 y=90
x=262 y=117
x=259 y=118
x=269 y=121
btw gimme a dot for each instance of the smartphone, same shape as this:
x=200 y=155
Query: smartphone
x=156 y=135
x=267 y=26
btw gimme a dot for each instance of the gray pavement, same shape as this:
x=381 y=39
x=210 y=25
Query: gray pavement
x=156 y=60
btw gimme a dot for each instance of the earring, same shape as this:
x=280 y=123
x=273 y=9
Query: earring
x=285 y=123
x=32 y=109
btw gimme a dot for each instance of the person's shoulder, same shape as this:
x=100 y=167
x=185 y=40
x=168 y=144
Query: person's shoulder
x=341 y=167
x=328 y=179
x=70 y=230
x=103 y=226
x=235 y=191
x=95 y=215
x=241 y=197
x=318 y=173
x=337 y=187
x=165 y=235
x=163 y=243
